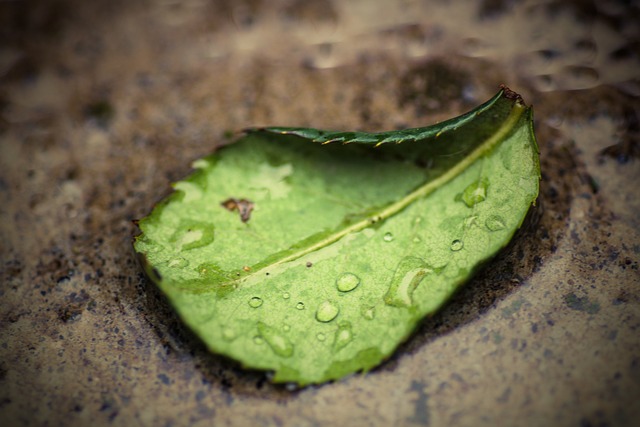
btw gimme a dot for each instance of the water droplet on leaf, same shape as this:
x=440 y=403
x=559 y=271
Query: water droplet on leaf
x=321 y=336
x=495 y=223
x=343 y=336
x=258 y=340
x=388 y=237
x=286 y=295
x=228 y=334
x=327 y=311
x=278 y=343
x=255 y=302
x=408 y=275
x=178 y=263
x=368 y=313
x=469 y=221
x=347 y=282
x=475 y=192
x=300 y=306
x=456 y=245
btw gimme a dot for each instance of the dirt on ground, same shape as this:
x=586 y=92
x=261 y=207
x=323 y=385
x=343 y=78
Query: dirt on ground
x=103 y=104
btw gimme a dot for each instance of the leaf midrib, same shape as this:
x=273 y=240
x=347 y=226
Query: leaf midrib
x=396 y=207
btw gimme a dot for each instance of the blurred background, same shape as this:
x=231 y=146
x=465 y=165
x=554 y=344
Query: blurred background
x=104 y=103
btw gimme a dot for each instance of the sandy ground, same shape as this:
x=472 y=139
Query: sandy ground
x=103 y=104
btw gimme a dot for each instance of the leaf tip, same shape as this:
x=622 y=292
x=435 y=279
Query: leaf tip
x=510 y=94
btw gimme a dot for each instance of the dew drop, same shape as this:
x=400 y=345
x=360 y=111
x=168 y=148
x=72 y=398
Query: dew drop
x=469 y=221
x=276 y=341
x=255 y=302
x=178 y=263
x=286 y=295
x=456 y=245
x=495 y=223
x=388 y=237
x=300 y=306
x=408 y=275
x=347 y=282
x=228 y=334
x=475 y=192
x=368 y=313
x=321 y=336
x=327 y=311
x=343 y=336
x=258 y=340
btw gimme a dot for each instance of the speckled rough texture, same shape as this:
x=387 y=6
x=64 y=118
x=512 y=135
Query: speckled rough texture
x=104 y=103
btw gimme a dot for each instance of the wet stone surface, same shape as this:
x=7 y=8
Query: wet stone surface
x=104 y=104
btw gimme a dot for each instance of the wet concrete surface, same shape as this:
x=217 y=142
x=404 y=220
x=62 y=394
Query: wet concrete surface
x=104 y=104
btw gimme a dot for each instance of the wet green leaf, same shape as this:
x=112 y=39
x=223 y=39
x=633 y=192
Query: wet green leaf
x=316 y=261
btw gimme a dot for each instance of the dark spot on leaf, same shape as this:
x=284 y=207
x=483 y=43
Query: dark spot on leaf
x=243 y=206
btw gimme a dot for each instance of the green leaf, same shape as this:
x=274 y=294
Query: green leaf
x=316 y=261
